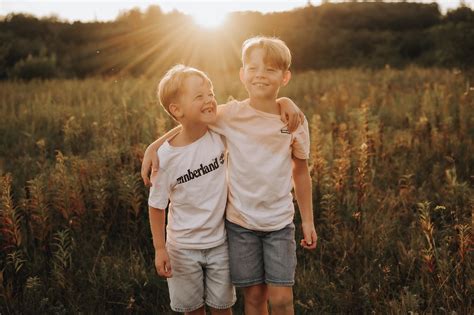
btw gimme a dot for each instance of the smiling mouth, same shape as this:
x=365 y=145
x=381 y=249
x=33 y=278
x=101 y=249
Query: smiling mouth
x=260 y=84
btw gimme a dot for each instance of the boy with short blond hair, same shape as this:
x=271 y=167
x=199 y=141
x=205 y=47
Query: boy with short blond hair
x=194 y=257
x=264 y=159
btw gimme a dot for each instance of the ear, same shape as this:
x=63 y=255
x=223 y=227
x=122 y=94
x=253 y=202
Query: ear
x=175 y=110
x=241 y=74
x=286 y=77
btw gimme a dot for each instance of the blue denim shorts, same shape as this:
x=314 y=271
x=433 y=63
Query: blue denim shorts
x=262 y=257
x=200 y=276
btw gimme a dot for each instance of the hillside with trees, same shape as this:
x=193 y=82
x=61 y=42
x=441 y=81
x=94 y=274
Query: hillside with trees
x=342 y=35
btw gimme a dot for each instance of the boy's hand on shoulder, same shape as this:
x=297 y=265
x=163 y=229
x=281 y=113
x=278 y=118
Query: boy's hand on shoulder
x=162 y=263
x=310 y=239
x=150 y=160
x=290 y=114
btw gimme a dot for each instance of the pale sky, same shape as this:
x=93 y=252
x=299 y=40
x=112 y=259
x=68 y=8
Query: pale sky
x=103 y=10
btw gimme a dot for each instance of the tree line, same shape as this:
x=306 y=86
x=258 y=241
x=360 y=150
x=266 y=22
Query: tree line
x=342 y=35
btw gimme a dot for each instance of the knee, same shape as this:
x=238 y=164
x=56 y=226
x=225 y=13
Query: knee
x=281 y=303
x=256 y=295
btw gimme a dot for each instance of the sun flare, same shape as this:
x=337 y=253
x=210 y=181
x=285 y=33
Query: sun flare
x=208 y=19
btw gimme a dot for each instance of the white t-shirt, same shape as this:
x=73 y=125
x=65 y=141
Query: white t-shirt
x=259 y=165
x=193 y=178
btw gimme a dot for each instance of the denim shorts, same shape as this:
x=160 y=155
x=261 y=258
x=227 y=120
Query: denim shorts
x=262 y=257
x=200 y=276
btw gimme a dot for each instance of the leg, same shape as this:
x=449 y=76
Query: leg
x=246 y=267
x=199 y=311
x=227 y=311
x=281 y=300
x=279 y=252
x=255 y=299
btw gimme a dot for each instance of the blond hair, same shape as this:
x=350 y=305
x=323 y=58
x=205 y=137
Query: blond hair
x=276 y=51
x=171 y=85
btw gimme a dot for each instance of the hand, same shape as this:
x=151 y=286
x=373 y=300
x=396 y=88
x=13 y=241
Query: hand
x=310 y=239
x=290 y=114
x=150 y=160
x=162 y=263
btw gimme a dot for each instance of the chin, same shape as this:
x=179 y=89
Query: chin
x=210 y=120
x=260 y=93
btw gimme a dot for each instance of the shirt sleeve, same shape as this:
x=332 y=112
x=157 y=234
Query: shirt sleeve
x=301 y=144
x=160 y=191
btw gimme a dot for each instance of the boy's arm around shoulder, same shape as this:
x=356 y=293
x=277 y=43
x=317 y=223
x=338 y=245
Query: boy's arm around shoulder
x=157 y=226
x=304 y=197
x=150 y=158
x=290 y=114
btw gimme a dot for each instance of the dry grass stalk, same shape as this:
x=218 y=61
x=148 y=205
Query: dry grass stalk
x=10 y=218
x=318 y=162
x=429 y=253
x=38 y=207
x=341 y=162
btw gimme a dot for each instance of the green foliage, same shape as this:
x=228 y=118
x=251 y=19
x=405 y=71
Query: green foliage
x=34 y=67
x=363 y=34
x=392 y=179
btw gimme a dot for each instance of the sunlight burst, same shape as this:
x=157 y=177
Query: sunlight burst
x=208 y=19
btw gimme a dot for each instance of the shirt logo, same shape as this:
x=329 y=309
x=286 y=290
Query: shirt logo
x=202 y=170
x=285 y=130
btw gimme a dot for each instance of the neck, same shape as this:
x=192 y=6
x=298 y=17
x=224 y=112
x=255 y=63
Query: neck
x=265 y=105
x=189 y=134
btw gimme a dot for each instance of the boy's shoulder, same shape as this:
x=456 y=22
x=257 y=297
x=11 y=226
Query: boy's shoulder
x=167 y=154
x=231 y=107
x=232 y=103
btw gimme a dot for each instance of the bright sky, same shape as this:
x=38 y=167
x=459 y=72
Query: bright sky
x=102 y=10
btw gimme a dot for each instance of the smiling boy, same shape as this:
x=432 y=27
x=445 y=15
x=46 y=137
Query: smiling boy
x=194 y=257
x=265 y=162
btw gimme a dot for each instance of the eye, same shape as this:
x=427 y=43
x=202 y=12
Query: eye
x=198 y=97
x=271 y=69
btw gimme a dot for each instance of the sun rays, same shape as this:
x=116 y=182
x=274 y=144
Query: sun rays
x=149 y=49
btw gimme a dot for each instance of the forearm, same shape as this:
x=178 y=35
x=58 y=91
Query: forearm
x=285 y=99
x=303 y=190
x=157 y=226
x=158 y=142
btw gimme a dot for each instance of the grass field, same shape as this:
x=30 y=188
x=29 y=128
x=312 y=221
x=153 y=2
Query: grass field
x=392 y=167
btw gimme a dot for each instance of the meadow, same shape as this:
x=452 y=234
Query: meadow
x=392 y=166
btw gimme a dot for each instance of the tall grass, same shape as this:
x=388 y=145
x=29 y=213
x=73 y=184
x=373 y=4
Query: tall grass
x=392 y=170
